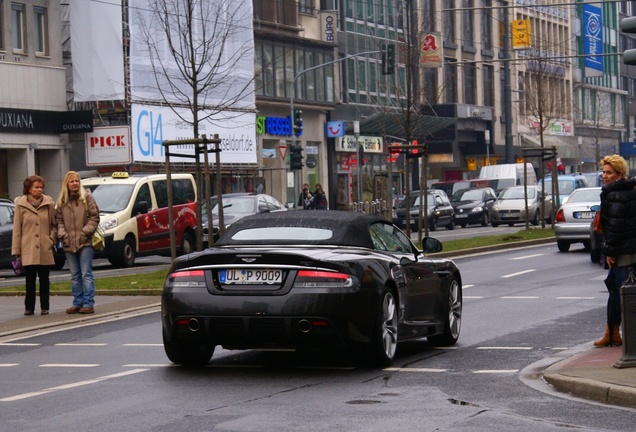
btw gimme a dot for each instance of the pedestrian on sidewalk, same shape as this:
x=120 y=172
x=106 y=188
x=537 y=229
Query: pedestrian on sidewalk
x=34 y=237
x=320 y=199
x=618 y=225
x=77 y=217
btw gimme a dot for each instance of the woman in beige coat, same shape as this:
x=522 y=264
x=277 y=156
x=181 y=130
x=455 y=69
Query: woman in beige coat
x=77 y=219
x=34 y=235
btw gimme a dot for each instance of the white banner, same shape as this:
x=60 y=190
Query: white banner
x=98 y=59
x=347 y=143
x=151 y=125
x=108 y=146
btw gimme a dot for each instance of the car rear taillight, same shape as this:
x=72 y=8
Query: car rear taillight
x=560 y=217
x=322 y=279
x=185 y=278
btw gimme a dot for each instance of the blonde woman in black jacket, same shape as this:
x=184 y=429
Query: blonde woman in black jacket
x=618 y=225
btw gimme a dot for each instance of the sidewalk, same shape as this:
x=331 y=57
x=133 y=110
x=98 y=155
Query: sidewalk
x=590 y=374
x=12 y=320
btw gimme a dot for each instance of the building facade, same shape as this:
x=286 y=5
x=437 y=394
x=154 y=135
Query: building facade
x=33 y=102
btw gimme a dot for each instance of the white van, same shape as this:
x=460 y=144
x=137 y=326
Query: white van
x=134 y=214
x=506 y=175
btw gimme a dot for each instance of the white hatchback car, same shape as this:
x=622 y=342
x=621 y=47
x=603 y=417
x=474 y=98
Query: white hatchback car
x=572 y=223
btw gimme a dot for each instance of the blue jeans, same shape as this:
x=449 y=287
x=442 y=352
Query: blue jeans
x=82 y=280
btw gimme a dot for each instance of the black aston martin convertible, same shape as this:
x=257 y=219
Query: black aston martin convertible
x=307 y=280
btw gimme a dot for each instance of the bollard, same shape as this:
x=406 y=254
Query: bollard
x=628 y=310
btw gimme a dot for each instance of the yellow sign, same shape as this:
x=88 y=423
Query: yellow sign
x=471 y=164
x=521 y=36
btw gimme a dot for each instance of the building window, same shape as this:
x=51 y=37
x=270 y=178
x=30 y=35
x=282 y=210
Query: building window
x=470 y=84
x=468 y=24
x=450 y=80
x=306 y=6
x=430 y=86
x=18 y=36
x=41 y=30
x=1 y=27
x=276 y=65
x=428 y=17
x=489 y=89
x=449 y=21
x=281 y=11
x=486 y=25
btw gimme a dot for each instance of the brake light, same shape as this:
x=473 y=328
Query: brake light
x=323 y=279
x=560 y=216
x=187 y=278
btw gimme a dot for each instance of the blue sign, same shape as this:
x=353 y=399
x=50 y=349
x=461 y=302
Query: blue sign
x=334 y=129
x=593 y=37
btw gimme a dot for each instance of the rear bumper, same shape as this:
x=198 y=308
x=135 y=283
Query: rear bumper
x=579 y=232
x=294 y=320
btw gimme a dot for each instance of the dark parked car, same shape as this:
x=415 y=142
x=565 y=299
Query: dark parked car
x=6 y=232
x=473 y=206
x=310 y=279
x=440 y=211
x=235 y=207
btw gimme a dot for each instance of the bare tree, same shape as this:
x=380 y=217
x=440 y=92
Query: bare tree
x=543 y=101
x=198 y=63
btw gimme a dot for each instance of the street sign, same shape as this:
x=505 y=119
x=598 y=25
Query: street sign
x=282 y=149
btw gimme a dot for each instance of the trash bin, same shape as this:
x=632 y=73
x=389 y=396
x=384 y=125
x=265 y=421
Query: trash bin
x=628 y=310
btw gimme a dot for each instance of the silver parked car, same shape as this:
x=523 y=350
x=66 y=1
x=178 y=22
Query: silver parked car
x=510 y=206
x=572 y=224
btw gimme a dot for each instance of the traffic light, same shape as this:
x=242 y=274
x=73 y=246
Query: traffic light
x=298 y=122
x=360 y=155
x=413 y=152
x=296 y=157
x=388 y=59
x=628 y=25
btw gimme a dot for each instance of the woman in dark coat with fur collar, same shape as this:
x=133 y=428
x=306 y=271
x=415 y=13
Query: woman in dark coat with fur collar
x=618 y=224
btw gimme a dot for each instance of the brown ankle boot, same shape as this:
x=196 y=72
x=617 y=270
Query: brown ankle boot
x=616 y=336
x=605 y=340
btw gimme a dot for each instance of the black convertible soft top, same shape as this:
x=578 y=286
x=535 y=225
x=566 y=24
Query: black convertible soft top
x=348 y=228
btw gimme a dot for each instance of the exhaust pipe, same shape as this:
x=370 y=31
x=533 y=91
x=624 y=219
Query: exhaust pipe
x=304 y=326
x=194 y=325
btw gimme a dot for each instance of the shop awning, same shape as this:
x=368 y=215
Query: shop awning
x=393 y=125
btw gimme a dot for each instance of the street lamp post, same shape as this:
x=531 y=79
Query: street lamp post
x=356 y=133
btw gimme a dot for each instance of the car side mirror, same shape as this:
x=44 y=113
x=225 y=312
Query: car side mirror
x=142 y=207
x=431 y=245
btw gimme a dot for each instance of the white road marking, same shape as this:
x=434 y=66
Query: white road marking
x=151 y=365
x=575 y=298
x=518 y=273
x=520 y=297
x=424 y=370
x=18 y=344
x=8 y=364
x=70 y=386
x=473 y=297
x=81 y=344
x=504 y=348
x=69 y=365
x=496 y=371
x=527 y=256
x=467 y=286
x=142 y=345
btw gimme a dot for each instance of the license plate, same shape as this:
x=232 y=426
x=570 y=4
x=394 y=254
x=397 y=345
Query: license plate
x=250 y=276
x=459 y=216
x=585 y=215
x=508 y=216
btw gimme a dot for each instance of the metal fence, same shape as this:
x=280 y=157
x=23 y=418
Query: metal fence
x=377 y=207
